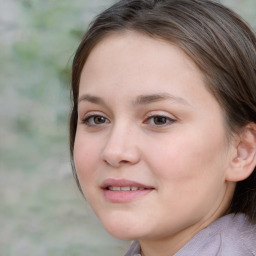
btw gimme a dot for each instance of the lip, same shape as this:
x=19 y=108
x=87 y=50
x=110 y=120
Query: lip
x=124 y=196
x=123 y=183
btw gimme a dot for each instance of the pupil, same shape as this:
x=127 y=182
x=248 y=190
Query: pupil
x=99 y=119
x=160 y=120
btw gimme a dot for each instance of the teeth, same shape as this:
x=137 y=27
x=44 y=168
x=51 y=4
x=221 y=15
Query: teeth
x=115 y=188
x=125 y=188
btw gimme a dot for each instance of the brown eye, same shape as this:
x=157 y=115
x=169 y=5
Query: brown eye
x=95 y=120
x=99 y=120
x=160 y=120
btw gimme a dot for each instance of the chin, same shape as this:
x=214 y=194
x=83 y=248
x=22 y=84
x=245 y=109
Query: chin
x=122 y=228
x=122 y=235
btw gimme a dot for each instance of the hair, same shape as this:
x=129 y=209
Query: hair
x=220 y=43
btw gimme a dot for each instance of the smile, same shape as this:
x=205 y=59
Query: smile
x=125 y=188
x=124 y=191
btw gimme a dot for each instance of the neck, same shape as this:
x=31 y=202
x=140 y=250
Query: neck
x=171 y=244
x=165 y=247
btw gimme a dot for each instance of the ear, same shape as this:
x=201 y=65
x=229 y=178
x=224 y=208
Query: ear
x=244 y=158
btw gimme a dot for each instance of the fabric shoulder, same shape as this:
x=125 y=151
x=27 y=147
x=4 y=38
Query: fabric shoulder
x=134 y=249
x=248 y=234
x=230 y=235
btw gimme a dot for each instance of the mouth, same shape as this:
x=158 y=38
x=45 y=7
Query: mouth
x=121 y=191
x=125 y=188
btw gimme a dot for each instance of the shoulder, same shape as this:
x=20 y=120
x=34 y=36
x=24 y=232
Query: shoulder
x=230 y=235
x=134 y=249
x=243 y=230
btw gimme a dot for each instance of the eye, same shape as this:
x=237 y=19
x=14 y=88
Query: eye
x=159 y=120
x=94 y=120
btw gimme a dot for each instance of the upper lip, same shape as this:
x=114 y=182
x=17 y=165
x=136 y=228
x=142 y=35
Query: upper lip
x=123 y=183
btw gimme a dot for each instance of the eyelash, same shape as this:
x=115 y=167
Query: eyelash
x=90 y=120
x=167 y=120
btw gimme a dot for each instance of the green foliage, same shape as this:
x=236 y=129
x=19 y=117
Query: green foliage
x=41 y=212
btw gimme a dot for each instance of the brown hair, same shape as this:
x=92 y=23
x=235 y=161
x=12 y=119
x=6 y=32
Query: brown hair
x=221 y=44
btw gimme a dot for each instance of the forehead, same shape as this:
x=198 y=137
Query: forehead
x=136 y=42
x=134 y=53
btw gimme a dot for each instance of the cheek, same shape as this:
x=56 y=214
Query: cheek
x=85 y=159
x=189 y=172
x=189 y=155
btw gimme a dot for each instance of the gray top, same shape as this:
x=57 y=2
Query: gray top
x=230 y=235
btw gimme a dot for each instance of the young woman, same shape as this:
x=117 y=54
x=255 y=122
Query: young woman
x=163 y=127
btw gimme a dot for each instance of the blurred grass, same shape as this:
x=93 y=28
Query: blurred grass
x=41 y=210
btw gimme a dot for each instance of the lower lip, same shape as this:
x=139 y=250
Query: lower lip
x=124 y=196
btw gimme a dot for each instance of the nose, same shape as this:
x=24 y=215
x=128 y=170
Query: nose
x=121 y=147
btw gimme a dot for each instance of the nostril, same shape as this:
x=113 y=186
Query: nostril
x=116 y=164
x=124 y=162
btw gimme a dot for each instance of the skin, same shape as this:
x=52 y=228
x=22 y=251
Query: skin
x=174 y=142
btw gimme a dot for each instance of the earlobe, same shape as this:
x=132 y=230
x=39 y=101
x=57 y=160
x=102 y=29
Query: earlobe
x=244 y=161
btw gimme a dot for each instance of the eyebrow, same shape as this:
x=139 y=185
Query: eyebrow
x=140 y=100
x=92 y=99
x=147 y=99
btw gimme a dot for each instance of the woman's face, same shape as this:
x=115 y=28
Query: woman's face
x=150 y=151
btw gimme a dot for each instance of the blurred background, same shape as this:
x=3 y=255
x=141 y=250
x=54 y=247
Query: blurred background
x=42 y=212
